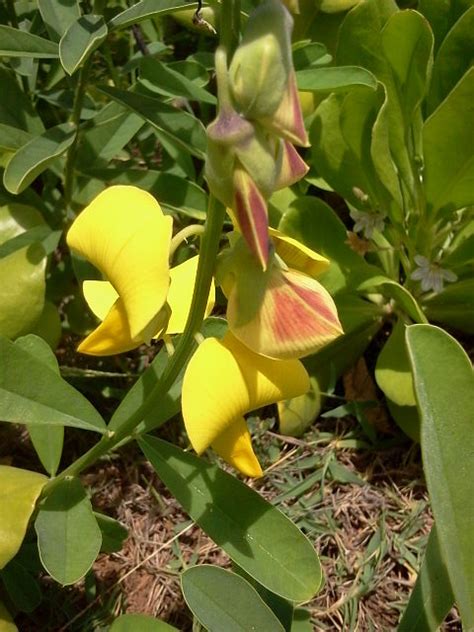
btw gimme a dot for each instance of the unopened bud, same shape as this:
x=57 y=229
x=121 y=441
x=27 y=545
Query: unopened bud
x=261 y=64
x=261 y=157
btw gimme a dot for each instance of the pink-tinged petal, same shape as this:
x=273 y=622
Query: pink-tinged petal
x=296 y=317
x=234 y=445
x=224 y=380
x=298 y=256
x=288 y=120
x=293 y=167
x=113 y=335
x=251 y=212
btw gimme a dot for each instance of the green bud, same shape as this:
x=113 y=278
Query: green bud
x=261 y=65
x=261 y=158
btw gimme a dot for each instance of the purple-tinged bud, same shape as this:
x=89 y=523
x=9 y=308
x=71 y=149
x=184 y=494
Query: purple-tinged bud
x=261 y=64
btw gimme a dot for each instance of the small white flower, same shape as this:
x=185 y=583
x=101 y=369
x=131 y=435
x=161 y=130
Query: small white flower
x=431 y=275
x=366 y=223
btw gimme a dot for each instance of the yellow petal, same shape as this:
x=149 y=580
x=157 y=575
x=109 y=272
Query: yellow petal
x=100 y=296
x=298 y=256
x=295 y=317
x=113 y=335
x=180 y=295
x=234 y=445
x=124 y=233
x=224 y=380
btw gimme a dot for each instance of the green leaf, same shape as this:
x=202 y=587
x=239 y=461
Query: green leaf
x=17 y=43
x=80 y=40
x=22 y=270
x=335 y=79
x=21 y=586
x=407 y=43
x=69 y=538
x=113 y=533
x=12 y=138
x=453 y=60
x=407 y=418
x=19 y=490
x=112 y=128
x=32 y=393
x=257 y=536
x=449 y=150
x=442 y=14
x=36 y=156
x=146 y=9
x=141 y=622
x=222 y=600
x=454 y=306
x=444 y=384
x=393 y=372
x=48 y=439
x=431 y=599
x=16 y=109
x=58 y=16
x=163 y=79
x=180 y=126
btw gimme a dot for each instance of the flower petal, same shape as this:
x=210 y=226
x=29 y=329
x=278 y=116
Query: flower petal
x=288 y=121
x=113 y=336
x=293 y=167
x=224 y=380
x=100 y=296
x=234 y=445
x=296 y=317
x=298 y=256
x=124 y=233
x=251 y=212
x=180 y=295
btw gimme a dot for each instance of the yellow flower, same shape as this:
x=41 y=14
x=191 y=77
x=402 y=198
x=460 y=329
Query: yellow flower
x=225 y=380
x=281 y=312
x=125 y=234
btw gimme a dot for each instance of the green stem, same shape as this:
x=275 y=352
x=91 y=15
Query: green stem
x=185 y=233
x=75 y=119
x=209 y=250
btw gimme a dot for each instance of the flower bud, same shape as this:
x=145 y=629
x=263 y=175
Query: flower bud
x=261 y=64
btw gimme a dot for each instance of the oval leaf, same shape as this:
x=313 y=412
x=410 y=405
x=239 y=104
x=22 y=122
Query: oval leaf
x=431 y=598
x=16 y=43
x=32 y=393
x=149 y=8
x=47 y=440
x=19 y=490
x=222 y=600
x=34 y=157
x=182 y=127
x=444 y=384
x=256 y=535
x=69 y=538
x=80 y=40
x=338 y=79
x=393 y=372
x=58 y=16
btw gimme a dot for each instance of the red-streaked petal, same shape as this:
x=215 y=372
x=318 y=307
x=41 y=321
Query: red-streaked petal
x=293 y=167
x=251 y=211
x=296 y=317
x=288 y=121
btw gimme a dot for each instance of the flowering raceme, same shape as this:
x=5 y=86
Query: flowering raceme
x=125 y=234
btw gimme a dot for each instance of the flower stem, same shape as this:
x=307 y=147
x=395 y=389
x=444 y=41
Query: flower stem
x=209 y=250
x=75 y=119
x=187 y=231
